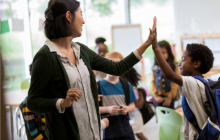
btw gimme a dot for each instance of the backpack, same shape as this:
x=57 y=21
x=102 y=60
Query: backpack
x=34 y=123
x=125 y=86
x=146 y=111
x=210 y=130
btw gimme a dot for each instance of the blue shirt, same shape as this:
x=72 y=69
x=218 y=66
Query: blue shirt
x=113 y=94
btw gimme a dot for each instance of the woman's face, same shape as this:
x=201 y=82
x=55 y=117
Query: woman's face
x=78 y=23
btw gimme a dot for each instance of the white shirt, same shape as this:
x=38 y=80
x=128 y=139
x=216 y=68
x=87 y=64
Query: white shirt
x=194 y=92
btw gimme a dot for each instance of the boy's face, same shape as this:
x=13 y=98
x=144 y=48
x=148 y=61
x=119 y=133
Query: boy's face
x=186 y=66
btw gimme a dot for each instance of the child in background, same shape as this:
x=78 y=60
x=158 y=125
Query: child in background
x=196 y=60
x=100 y=49
x=114 y=103
x=136 y=118
x=163 y=89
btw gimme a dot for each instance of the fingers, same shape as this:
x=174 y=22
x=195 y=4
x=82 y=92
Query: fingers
x=151 y=31
x=74 y=92
x=116 y=107
x=155 y=22
x=99 y=97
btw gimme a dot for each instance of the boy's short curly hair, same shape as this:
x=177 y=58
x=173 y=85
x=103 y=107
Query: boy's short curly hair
x=202 y=53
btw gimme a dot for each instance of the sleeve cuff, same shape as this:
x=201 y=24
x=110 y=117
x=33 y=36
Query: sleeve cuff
x=61 y=110
x=103 y=125
x=137 y=55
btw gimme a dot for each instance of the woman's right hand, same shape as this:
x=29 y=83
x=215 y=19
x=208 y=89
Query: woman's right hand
x=72 y=95
x=150 y=39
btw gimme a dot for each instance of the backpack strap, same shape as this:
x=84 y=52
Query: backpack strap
x=188 y=113
x=99 y=92
x=126 y=90
x=201 y=79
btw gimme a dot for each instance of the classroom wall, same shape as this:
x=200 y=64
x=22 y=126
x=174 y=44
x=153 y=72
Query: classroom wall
x=195 y=17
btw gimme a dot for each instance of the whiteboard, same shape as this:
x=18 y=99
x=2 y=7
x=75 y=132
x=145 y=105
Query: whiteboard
x=189 y=41
x=126 y=38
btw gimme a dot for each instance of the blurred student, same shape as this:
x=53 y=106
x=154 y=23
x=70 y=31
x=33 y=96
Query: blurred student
x=101 y=49
x=196 y=60
x=115 y=103
x=163 y=89
x=137 y=124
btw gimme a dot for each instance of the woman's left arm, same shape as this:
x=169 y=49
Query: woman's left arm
x=118 y=68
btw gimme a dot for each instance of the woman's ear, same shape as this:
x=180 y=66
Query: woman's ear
x=197 y=64
x=68 y=16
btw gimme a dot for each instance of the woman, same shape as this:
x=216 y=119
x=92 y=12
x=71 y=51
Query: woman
x=63 y=85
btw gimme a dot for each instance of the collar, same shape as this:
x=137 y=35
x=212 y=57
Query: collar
x=53 y=48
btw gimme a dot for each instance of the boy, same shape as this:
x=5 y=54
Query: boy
x=197 y=60
x=113 y=101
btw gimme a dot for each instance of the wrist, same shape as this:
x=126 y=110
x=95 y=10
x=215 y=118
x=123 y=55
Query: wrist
x=62 y=103
x=146 y=44
x=155 y=48
x=109 y=109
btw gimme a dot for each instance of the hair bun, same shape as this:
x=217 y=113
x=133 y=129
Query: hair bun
x=100 y=40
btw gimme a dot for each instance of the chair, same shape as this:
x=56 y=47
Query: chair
x=170 y=124
x=25 y=84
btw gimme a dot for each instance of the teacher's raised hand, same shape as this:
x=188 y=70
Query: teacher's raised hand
x=149 y=41
x=72 y=95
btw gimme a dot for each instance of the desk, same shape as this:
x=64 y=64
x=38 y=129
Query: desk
x=14 y=99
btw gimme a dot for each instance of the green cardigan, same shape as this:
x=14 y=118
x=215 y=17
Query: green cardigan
x=49 y=82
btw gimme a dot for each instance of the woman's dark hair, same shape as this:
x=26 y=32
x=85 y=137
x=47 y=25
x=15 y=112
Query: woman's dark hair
x=170 y=60
x=100 y=40
x=132 y=76
x=56 y=25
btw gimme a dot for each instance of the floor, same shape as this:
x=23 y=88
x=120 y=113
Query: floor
x=151 y=130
